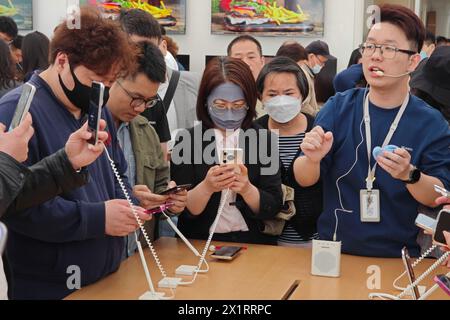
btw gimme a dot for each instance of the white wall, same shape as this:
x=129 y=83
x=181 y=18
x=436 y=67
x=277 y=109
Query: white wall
x=343 y=29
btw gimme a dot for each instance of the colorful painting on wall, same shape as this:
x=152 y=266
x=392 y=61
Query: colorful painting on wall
x=304 y=18
x=170 y=13
x=20 y=10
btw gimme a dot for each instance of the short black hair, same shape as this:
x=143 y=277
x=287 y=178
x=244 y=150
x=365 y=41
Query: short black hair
x=430 y=38
x=293 y=50
x=140 y=23
x=17 y=42
x=150 y=62
x=8 y=26
x=242 y=38
x=280 y=65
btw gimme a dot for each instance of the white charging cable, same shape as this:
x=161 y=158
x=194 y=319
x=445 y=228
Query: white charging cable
x=409 y=288
x=144 y=233
x=419 y=260
x=186 y=241
x=208 y=242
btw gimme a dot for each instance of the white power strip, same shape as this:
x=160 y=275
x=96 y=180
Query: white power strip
x=170 y=283
x=185 y=270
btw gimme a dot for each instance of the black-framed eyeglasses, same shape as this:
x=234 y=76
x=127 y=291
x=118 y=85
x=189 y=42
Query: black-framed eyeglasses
x=137 y=102
x=387 y=51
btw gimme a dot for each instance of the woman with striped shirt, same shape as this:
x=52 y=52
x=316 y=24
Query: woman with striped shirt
x=281 y=88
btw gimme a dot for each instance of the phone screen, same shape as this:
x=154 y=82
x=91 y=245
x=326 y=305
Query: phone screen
x=226 y=252
x=409 y=270
x=23 y=105
x=94 y=113
x=443 y=224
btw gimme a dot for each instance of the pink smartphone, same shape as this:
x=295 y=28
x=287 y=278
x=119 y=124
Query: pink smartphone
x=159 y=209
x=444 y=282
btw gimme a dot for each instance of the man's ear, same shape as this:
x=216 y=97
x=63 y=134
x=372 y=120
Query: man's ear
x=163 y=47
x=414 y=62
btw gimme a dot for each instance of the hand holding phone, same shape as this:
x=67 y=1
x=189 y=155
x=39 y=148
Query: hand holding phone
x=234 y=156
x=26 y=97
x=176 y=189
x=442 y=224
x=95 y=110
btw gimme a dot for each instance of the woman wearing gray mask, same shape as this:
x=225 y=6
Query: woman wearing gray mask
x=282 y=85
x=250 y=191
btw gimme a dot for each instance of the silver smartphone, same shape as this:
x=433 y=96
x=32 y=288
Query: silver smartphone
x=27 y=95
x=95 y=110
x=3 y=237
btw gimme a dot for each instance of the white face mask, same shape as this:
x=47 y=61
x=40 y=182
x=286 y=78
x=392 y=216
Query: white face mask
x=283 y=109
x=317 y=68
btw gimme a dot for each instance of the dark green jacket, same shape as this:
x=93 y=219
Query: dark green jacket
x=152 y=169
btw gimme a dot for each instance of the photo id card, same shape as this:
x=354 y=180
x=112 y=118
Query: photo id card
x=370 y=205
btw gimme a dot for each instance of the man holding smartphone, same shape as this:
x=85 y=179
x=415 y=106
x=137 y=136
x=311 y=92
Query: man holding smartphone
x=85 y=227
x=53 y=175
x=147 y=168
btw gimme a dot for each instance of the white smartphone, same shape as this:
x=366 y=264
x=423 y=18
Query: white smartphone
x=426 y=223
x=232 y=156
x=23 y=106
x=3 y=237
x=95 y=110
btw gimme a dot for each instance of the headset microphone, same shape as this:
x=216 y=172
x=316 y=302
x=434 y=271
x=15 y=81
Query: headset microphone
x=382 y=74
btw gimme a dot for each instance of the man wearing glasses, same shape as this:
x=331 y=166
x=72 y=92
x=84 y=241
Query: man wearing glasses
x=370 y=204
x=147 y=171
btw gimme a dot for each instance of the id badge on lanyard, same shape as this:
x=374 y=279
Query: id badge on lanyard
x=369 y=198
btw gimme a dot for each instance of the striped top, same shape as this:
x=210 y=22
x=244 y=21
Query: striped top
x=288 y=148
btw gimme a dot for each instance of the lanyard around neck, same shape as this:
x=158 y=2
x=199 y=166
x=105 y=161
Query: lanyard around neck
x=371 y=172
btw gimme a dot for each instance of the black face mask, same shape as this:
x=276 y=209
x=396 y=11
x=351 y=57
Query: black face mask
x=80 y=94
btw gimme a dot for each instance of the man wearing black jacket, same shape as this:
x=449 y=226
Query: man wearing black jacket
x=22 y=187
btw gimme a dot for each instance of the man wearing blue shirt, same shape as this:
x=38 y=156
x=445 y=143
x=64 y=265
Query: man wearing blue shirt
x=371 y=204
x=76 y=238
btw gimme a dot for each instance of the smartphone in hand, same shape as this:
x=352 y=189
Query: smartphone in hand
x=442 y=224
x=95 y=110
x=176 y=189
x=27 y=95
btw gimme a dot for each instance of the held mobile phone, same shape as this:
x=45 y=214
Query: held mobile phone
x=232 y=156
x=95 y=110
x=3 y=237
x=176 y=189
x=226 y=253
x=442 y=191
x=28 y=91
x=159 y=209
x=444 y=282
x=426 y=223
x=442 y=224
x=409 y=270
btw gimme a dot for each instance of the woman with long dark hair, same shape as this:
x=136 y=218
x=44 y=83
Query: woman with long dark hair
x=7 y=70
x=35 y=52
